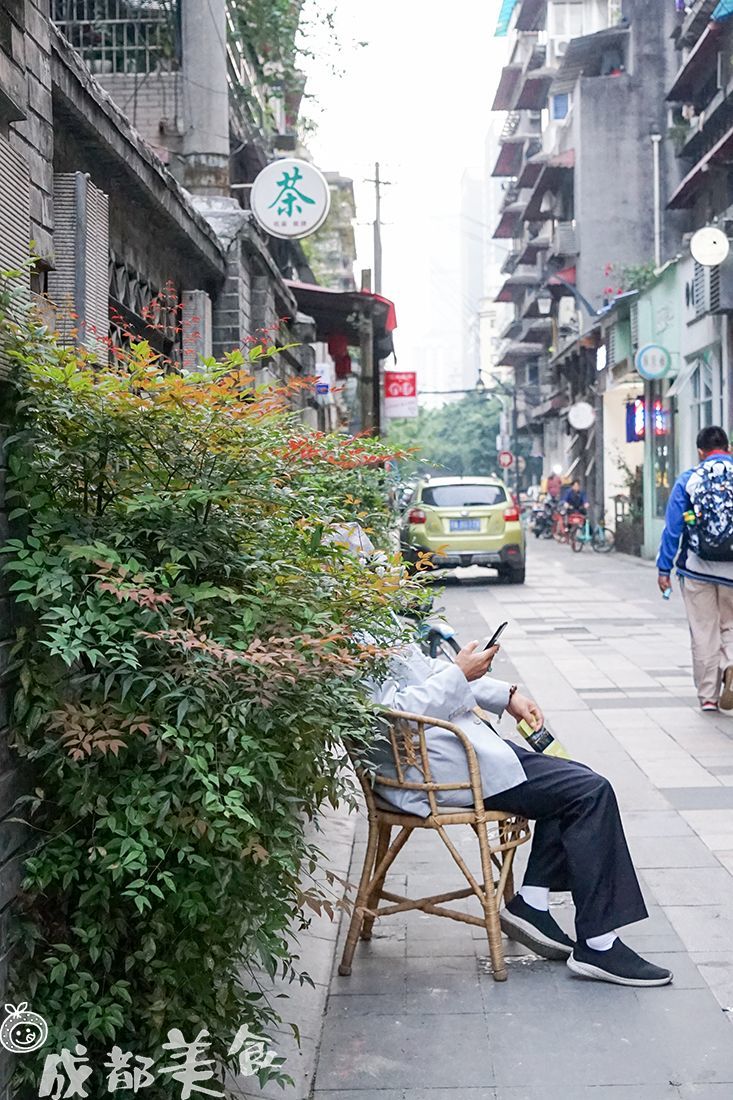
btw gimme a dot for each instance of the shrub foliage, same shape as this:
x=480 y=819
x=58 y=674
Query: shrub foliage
x=186 y=672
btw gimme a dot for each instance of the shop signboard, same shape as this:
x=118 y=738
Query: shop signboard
x=653 y=362
x=290 y=198
x=400 y=393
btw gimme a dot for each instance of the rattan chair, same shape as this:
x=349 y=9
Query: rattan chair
x=498 y=834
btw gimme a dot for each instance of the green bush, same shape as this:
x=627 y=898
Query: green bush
x=186 y=673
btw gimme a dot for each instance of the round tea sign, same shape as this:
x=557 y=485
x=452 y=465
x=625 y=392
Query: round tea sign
x=653 y=362
x=290 y=198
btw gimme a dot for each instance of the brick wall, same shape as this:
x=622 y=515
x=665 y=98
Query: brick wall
x=152 y=103
x=232 y=307
x=32 y=136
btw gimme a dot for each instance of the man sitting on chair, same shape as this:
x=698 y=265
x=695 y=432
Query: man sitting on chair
x=578 y=844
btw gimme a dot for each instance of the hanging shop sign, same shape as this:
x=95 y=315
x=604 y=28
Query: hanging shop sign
x=581 y=416
x=710 y=246
x=400 y=393
x=290 y=198
x=653 y=362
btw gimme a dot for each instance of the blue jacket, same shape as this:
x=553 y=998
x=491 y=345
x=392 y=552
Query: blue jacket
x=577 y=501
x=675 y=538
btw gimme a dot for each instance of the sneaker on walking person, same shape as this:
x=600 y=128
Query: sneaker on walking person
x=698 y=541
x=725 y=703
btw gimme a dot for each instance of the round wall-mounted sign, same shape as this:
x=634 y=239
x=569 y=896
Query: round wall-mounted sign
x=709 y=246
x=581 y=416
x=290 y=198
x=653 y=362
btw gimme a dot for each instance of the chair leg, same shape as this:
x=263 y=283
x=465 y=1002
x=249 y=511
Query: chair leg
x=360 y=902
x=491 y=912
x=384 y=834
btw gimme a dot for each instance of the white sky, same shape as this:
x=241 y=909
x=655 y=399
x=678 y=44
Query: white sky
x=416 y=98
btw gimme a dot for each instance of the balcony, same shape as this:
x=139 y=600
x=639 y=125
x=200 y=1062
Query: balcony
x=720 y=154
x=708 y=127
x=564 y=240
x=551 y=179
x=516 y=286
x=535 y=82
x=696 y=21
x=697 y=68
x=601 y=54
x=517 y=352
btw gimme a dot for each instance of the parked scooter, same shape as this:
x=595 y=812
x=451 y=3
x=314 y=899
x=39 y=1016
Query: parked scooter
x=542 y=519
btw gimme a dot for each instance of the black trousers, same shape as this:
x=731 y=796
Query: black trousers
x=578 y=843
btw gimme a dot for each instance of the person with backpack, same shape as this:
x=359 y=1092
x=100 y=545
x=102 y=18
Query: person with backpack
x=698 y=540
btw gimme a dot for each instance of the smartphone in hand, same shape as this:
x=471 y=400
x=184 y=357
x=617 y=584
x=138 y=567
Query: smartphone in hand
x=493 y=639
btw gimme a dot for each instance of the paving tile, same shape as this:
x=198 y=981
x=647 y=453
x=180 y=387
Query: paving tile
x=655 y=823
x=676 y=851
x=417 y=1052
x=691 y=886
x=702 y=927
x=700 y=798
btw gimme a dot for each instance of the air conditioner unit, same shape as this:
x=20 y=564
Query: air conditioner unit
x=560 y=46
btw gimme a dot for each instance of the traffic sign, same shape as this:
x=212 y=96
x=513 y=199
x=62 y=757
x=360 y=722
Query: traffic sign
x=506 y=459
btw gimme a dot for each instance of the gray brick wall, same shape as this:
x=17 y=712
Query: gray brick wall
x=232 y=307
x=33 y=135
x=152 y=102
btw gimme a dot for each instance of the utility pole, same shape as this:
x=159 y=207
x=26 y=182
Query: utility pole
x=379 y=183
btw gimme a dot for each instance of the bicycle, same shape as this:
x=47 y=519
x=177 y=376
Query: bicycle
x=564 y=523
x=599 y=537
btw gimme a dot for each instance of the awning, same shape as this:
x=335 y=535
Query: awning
x=697 y=67
x=535 y=86
x=589 y=55
x=338 y=313
x=723 y=11
x=532 y=249
x=721 y=153
x=531 y=170
x=568 y=275
x=518 y=351
x=509 y=223
x=511 y=154
x=531 y=15
x=549 y=179
x=505 y=18
x=515 y=286
x=698 y=15
x=507 y=89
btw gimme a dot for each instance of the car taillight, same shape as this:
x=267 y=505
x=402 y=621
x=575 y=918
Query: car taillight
x=511 y=515
x=416 y=515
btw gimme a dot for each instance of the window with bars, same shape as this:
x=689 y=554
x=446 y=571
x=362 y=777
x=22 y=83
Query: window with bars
x=122 y=36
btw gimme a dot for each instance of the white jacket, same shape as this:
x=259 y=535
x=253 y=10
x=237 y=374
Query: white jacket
x=438 y=689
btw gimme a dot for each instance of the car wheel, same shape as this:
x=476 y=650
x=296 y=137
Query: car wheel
x=515 y=576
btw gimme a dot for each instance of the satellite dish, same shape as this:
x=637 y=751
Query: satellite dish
x=581 y=416
x=709 y=246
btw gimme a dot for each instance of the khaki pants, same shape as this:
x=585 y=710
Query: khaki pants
x=710 y=615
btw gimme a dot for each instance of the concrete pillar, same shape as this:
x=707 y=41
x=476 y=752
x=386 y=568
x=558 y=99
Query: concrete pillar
x=205 y=96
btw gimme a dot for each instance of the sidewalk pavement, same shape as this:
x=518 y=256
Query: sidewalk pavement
x=420 y=1018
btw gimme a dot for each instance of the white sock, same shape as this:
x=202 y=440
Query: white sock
x=536 y=896
x=602 y=943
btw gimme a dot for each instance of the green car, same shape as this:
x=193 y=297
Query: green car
x=464 y=521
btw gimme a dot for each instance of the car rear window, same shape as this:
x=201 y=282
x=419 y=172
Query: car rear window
x=462 y=496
